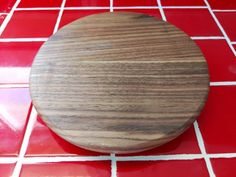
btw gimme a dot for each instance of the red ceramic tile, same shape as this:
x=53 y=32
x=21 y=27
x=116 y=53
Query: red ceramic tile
x=18 y=53
x=173 y=168
x=2 y=17
x=226 y=4
x=6 y=5
x=63 y=169
x=234 y=47
x=182 y=3
x=217 y=121
x=43 y=3
x=14 y=75
x=31 y=24
x=81 y=3
x=6 y=169
x=220 y=59
x=184 y=144
x=227 y=20
x=224 y=167
x=44 y=142
x=195 y=22
x=152 y=12
x=14 y=107
x=71 y=15
x=135 y=3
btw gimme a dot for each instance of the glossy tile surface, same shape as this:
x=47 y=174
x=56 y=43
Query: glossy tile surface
x=31 y=24
x=6 y=6
x=182 y=2
x=69 y=15
x=216 y=123
x=219 y=110
x=163 y=169
x=135 y=3
x=81 y=3
x=6 y=169
x=224 y=167
x=65 y=169
x=220 y=59
x=151 y=12
x=18 y=54
x=195 y=22
x=42 y=3
x=226 y=4
x=227 y=20
x=14 y=107
x=2 y=17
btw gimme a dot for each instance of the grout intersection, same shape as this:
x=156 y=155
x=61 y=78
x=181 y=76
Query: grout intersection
x=59 y=16
x=25 y=142
x=161 y=10
x=220 y=27
x=203 y=149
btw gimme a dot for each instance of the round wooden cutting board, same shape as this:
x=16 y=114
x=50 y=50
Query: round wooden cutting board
x=119 y=82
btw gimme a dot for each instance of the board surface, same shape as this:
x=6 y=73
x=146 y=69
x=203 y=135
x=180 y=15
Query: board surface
x=119 y=82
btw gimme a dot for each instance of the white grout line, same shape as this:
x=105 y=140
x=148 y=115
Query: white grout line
x=101 y=7
x=22 y=39
x=113 y=166
x=199 y=138
x=160 y=157
x=136 y=7
x=222 y=155
x=184 y=7
x=65 y=8
x=224 y=83
x=111 y=6
x=32 y=160
x=8 y=17
x=161 y=10
x=233 y=42
x=203 y=150
x=23 y=85
x=37 y=8
x=87 y=8
x=59 y=16
x=55 y=159
x=207 y=37
x=220 y=27
x=226 y=10
x=29 y=128
x=8 y=160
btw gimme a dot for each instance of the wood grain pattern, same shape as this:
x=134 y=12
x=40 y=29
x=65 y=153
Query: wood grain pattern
x=119 y=82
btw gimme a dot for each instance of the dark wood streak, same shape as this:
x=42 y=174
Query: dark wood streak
x=119 y=82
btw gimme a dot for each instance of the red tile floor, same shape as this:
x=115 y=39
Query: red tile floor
x=29 y=149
